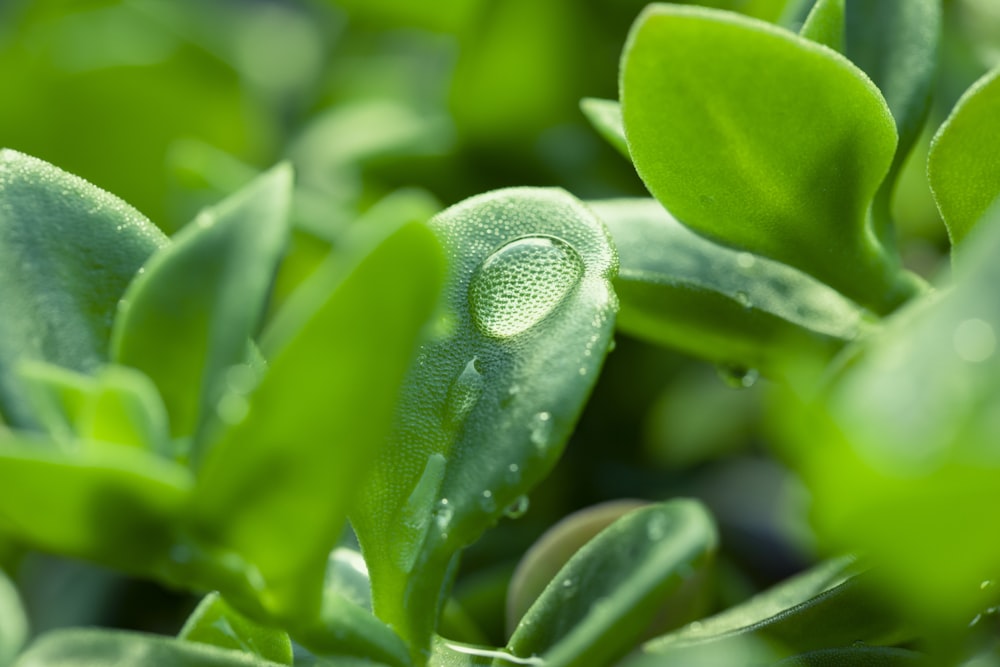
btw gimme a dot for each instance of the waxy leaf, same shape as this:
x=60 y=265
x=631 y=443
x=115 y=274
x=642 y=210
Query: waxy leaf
x=823 y=607
x=896 y=42
x=275 y=487
x=111 y=506
x=118 y=405
x=215 y=623
x=606 y=117
x=910 y=419
x=601 y=602
x=13 y=622
x=526 y=319
x=68 y=251
x=825 y=24
x=730 y=307
x=101 y=648
x=190 y=314
x=964 y=161
x=762 y=140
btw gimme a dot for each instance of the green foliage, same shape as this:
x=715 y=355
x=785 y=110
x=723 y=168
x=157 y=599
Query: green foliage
x=321 y=407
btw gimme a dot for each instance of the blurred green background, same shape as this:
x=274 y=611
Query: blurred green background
x=398 y=108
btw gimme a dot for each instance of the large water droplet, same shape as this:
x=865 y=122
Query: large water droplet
x=521 y=283
x=517 y=508
x=464 y=392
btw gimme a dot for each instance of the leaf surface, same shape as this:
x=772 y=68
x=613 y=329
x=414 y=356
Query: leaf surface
x=525 y=321
x=190 y=314
x=275 y=487
x=762 y=140
x=215 y=623
x=825 y=24
x=608 y=593
x=69 y=250
x=606 y=117
x=13 y=621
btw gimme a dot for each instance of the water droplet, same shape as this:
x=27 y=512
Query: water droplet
x=986 y=584
x=612 y=344
x=513 y=475
x=464 y=392
x=487 y=502
x=521 y=283
x=738 y=377
x=656 y=528
x=743 y=298
x=745 y=260
x=517 y=508
x=974 y=340
x=443 y=516
x=232 y=408
x=541 y=429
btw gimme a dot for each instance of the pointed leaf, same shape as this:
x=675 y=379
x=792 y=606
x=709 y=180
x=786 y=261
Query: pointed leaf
x=826 y=606
x=964 y=161
x=606 y=117
x=598 y=606
x=101 y=648
x=825 y=24
x=527 y=317
x=187 y=318
x=275 y=487
x=730 y=307
x=856 y=656
x=782 y=165
x=13 y=622
x=215 y=623
x=56 y=396
x=896 y=43
x=68 y=250
x=111 y=506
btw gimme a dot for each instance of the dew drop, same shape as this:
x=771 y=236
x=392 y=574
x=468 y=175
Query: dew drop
x=738 y=377
x=443 y=516
x=743 y=299
x=487 y=502
x=541 y=430
x=517 y=508
x=513 y=474
x=521 y=283
x=464 y=392
x=232 y=408
x=974 y=340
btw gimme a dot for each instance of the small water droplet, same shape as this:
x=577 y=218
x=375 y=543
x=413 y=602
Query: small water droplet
x=612 y=344
x=743 y=298
x=487 y=502
x=517 y=286
x=232 y=408
x=513 y=474
x=517 y=508
x=443 y=516
x=738 y=377
x=464 y=392
x=656 y=528
x=974 y=340
x=745 y=260
x=541 y=429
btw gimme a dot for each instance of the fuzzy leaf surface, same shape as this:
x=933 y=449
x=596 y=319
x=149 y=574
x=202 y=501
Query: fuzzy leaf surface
x=825 y=24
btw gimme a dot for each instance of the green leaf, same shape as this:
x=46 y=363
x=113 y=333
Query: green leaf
x=215 y=623
x=118 y=405
x=347 y=576
x=964 y=161
x=111 y=506
x=855 y=656
x=187 y=318
x=599 y=605
x=345 y=630
x=783 y=165
x=910 y=419
x=68 y=250
x=730 y=307
x=101 y=648
x=825 y=24
x=606 y=117
x=828 y=605
x=896 y=43
x=13 y=621
x=275 y=487
x=526 y=319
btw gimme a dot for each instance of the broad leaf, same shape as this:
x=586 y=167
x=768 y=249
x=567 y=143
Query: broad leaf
x=345 y=630
x=606 y=117
x=964 y=161
x=68 y=251
x=111 y=506
x=188 y=317
x=13 y=622
x=101 y=648
x=730 y=307
x=608 y=594
x=275 y=487
x=764 y=141
x=911 y=421
x=896 y=43
x=856 y=656
x=823 y=607
x=215 y=623
x=526 y=319
x=825 y=24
